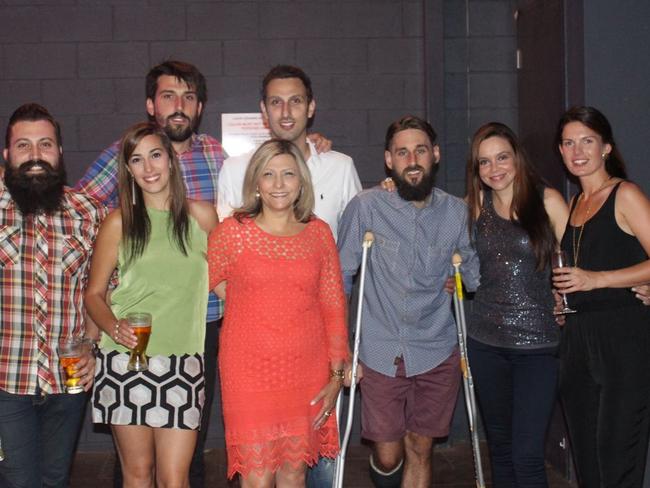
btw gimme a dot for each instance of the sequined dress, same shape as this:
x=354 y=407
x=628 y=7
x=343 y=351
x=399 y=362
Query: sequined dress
x=284 y=322
x=513 y=306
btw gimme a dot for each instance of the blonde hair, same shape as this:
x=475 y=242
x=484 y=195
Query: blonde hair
x=303 y=207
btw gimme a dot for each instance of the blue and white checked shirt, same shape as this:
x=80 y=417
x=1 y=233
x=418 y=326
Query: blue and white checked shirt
x=406 y=310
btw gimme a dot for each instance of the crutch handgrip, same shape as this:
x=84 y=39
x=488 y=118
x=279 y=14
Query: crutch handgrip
x=456 y=261
x=368 y=239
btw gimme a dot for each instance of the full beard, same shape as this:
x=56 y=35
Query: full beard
x=180 y=133
x=414 y=192
x=36 y=193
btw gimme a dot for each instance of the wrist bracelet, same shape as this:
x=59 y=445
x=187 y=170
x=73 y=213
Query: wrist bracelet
x=339 y=374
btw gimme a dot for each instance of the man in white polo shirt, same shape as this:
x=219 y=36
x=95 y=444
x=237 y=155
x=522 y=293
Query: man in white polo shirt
x=287 y=105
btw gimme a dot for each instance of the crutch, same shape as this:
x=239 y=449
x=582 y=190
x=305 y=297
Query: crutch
x=368 y=239
x=468 y=381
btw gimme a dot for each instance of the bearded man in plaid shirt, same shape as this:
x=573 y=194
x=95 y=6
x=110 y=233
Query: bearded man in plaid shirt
x=46 y=236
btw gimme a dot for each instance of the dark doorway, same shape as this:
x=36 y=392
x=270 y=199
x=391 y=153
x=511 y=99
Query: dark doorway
x=550 y=78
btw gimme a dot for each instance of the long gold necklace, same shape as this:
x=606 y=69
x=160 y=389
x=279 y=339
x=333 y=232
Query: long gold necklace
x=576 y=246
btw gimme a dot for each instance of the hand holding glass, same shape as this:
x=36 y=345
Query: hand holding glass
x=140 y=323
x=559 y=260
x=70 y=351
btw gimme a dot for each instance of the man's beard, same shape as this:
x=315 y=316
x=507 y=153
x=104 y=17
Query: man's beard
x=36 y=193
x=180 y=133
x=418 y=192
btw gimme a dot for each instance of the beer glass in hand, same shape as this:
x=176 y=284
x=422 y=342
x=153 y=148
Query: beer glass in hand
x=140 y=323
x=70 y=351
x=560 y=261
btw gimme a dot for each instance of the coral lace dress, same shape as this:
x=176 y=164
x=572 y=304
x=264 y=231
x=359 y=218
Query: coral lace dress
x=283 y=324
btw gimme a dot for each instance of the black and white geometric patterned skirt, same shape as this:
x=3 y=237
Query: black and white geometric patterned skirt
x=170 y=394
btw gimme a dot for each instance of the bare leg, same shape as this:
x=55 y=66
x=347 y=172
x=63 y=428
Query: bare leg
x=417 y=468
x=135 y=447
x=290 y=476
x=174 y=450
x=254 y=480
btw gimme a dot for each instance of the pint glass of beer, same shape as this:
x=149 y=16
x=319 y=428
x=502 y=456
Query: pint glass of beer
x=70 y=351
x=140 y=323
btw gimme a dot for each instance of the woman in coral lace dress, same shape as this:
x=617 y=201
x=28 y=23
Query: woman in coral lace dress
x=284 y=341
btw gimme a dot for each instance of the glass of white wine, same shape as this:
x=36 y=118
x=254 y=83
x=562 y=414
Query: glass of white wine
x=559 y=260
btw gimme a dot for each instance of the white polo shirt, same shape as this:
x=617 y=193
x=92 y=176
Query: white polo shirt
x=333 y=175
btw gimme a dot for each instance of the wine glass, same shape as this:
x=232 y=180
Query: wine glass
x=559 y=260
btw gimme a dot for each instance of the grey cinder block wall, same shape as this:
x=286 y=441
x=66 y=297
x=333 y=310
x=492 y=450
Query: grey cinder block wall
x=86 y=60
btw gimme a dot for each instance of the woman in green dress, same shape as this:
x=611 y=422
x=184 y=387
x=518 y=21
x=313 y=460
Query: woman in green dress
x=157 y=240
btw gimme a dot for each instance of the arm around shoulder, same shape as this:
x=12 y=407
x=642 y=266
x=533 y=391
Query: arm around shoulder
x=557 y=210
x=205 y=214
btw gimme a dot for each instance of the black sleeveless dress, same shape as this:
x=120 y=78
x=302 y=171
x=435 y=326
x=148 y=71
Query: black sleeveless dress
x=605 y=358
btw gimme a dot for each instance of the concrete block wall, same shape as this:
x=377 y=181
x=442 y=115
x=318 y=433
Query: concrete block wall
x=86 y=60
x=480 y=80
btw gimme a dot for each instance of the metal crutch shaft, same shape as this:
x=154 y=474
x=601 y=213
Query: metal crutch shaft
x=368 y=239
x=468 y=380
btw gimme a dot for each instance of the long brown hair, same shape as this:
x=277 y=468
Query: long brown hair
x=136 y=226
x=303 y=207
x=527 y=208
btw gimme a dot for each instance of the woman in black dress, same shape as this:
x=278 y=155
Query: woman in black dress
x=605 y=347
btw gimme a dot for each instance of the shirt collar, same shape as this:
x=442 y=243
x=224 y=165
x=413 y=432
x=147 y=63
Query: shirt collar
x=195 y=141
x=398 y=202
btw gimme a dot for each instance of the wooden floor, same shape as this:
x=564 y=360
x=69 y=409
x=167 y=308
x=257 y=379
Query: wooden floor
x=453 y=468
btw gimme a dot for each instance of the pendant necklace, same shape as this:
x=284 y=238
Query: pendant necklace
x=576 y=245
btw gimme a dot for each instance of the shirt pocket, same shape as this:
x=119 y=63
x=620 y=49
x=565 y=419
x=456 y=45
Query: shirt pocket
x=75 y=253
x=388 y=254
x=9 y=245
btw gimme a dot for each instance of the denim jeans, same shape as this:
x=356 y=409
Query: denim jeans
x=516 y=393
x=321 y=475
x=39 y=433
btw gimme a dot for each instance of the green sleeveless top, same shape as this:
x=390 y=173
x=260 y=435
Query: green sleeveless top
x=168 y=285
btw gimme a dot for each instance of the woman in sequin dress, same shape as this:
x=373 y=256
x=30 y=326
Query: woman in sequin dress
x=516 y=223
x=604 y=353
x=284 y=341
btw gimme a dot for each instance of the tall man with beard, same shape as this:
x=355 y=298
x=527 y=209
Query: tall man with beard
x=46 y=237
x=408 y=349
x=176 y=96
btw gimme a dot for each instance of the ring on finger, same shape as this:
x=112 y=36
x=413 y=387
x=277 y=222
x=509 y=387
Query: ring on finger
x=327 y=414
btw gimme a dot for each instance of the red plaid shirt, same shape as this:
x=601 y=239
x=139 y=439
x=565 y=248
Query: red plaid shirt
x=44 y=261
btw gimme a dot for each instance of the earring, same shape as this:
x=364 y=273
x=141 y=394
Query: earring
x=133 y=190
x=257 y=193
x=605 y=156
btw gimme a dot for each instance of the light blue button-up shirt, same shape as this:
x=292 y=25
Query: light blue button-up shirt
x=406 y=311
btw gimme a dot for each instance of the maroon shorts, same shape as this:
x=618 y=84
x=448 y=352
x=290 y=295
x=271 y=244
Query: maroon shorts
x=422 y=404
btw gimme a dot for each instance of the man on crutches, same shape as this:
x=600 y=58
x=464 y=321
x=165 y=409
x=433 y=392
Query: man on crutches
x=408 y=349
